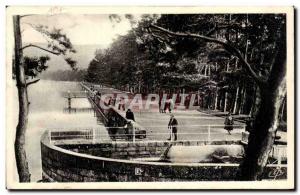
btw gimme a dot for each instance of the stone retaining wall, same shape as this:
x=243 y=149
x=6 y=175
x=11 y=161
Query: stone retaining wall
x=63 y=165
x=129 y=150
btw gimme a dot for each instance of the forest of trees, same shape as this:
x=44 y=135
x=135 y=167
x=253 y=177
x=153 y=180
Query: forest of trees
x=148 y=61
x=237 y=62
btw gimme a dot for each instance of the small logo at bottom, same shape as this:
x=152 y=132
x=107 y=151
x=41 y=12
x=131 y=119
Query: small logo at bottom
x=138 y=171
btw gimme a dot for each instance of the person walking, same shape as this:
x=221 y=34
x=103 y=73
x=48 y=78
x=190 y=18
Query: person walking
x=109 y=101
x=159 y=104
x=112 y=127
x=129 y=115
x=249 y=125
x=121 y=104
x=166 y=106
x=98 y=94
x=228 y=123
x=113 y=102
x=171 y=105
x=129 y=131
x=162 y=105
x=173 y=127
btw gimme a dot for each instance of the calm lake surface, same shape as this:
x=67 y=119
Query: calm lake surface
x=46 y=112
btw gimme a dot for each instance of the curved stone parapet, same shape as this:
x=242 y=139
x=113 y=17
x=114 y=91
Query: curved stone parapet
x=64 y=165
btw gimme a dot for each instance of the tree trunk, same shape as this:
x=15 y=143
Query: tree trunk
x=282 y=109
x=225 y=101
x=216 y=100
x=265 y=125
x=256 y=103
x=140 y=86
x=20 y=153
x=220 y=101
x=226 y=93
x=236 y=100
x=243 y=101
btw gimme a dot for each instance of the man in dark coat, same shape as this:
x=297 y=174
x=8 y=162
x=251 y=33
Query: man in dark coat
x=129 y=115
x=109 y=101
x=249 y=124
x=173 y=126
x=229 y=123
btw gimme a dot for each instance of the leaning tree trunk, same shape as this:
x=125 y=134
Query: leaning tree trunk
x=255 y=102
x=265 y=125
x=282 y=109
x=20 y=153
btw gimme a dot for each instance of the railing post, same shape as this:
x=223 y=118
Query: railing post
x=208 y=133
x=49 y=135
x=94 y=135
x=133 y=132
x=279 y=155
x=69 y=101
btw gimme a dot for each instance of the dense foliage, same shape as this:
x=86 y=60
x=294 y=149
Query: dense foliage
x=57 y=44
x=147 y=60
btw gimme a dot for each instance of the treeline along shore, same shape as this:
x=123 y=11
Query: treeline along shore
x=64 y=75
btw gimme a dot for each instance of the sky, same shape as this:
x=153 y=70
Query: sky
x=81 y=29
x=86 y=32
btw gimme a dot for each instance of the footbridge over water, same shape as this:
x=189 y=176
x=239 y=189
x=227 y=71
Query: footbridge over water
x=202 y=152
x=192 y=124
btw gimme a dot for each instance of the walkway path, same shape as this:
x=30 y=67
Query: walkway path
x=192 y=125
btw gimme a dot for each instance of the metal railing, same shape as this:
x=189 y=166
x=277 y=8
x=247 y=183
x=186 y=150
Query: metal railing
x=77 y=110
x=205 y=133
x=74 y=94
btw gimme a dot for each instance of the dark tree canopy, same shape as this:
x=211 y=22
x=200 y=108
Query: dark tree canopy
x=156 y=60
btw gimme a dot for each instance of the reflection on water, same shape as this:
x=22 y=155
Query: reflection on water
x=47 y=112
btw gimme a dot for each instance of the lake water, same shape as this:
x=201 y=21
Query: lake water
x=46 y=112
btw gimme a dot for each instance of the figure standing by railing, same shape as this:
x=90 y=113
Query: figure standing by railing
x=173 y=127
x=121 y=104
x=129 y=115
x=112 y=126
x=129 y=131
x=229 y=123
x=98 y=94
x=109 y=101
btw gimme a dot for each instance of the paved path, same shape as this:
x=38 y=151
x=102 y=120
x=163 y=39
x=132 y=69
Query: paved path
x=192 y=124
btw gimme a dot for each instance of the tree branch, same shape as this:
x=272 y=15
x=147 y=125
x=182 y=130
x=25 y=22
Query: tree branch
x=227 y=46
x=218 y=28
x=211 y=31
x=32 y=45
x=159 y=38
x=32 y=82
x=34 y=28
